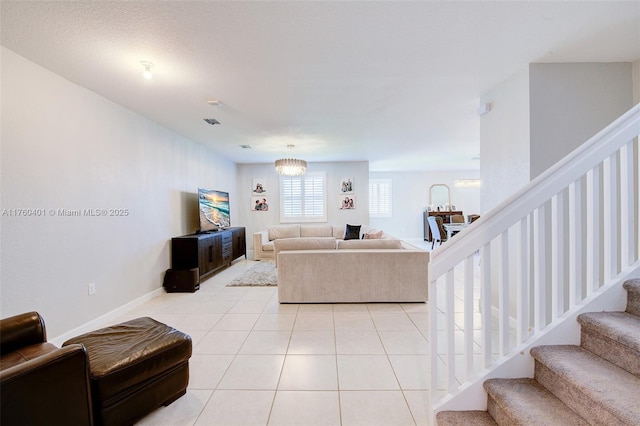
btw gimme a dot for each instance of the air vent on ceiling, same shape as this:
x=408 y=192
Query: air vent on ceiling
x=245 y=146
x=211 y=121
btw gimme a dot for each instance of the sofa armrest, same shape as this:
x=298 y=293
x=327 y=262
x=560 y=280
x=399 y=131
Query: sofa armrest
x=259 y=238
x=53 y=388
x=21 y=330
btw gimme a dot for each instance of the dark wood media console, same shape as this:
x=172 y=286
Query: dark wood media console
x=208 y=251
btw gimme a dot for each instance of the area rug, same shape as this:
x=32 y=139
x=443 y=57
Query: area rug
x=263 y=273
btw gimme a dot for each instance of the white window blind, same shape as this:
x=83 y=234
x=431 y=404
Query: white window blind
x=303 y=198
x=380 y=197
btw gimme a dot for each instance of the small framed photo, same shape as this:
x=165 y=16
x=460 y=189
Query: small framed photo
x=346 y=185
x=347 y=202
x=259 y=204
x=258 y=187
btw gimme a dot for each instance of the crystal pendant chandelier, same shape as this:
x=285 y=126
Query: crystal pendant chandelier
x=291 y=166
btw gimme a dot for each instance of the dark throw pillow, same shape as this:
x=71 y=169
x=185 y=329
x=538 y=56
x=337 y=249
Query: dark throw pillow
x=352 y=232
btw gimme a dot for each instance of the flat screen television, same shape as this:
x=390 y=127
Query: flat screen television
x=214 y=209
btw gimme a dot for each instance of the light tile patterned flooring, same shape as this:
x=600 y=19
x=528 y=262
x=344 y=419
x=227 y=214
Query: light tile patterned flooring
x=256 y=362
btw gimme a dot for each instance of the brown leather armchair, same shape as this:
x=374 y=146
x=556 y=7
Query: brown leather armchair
x=41 y=384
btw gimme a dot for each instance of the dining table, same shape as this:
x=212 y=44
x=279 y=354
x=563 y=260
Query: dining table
x=453 y=228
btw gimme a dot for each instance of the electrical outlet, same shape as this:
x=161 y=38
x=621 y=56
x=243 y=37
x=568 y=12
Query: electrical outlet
x=92 y=289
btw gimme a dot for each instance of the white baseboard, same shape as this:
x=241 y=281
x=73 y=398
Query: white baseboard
x=106 y=318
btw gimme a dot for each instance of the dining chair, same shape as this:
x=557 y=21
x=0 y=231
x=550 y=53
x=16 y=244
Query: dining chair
x=436 y=235
x=457 y=218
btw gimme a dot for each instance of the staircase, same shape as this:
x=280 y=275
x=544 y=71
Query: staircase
x=596 y=383
x=521 y=274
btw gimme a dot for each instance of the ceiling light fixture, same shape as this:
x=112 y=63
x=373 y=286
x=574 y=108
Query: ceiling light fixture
x=291 y=166
x=467 y=183
x=147 y=69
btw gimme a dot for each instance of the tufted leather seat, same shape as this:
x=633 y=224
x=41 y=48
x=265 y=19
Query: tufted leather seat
x=135 y=367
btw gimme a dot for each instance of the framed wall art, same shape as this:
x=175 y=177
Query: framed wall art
x=259 y=204
x=258 y=187
x=346 y=185
x=347 y=202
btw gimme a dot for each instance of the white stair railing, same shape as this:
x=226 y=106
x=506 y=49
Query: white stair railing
x=533 y=258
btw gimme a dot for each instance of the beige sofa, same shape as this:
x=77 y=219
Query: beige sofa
x=354 y=271
x=263 y=241
x=316 y=265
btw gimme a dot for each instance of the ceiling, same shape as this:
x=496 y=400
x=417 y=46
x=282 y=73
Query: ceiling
x=394 y=83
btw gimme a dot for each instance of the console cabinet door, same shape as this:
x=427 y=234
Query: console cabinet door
x=239 y=243
x=209 y=253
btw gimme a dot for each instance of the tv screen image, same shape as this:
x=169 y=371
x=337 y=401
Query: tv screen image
x=214 y=209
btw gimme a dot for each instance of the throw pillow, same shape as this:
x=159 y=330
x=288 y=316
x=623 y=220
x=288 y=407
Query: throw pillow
x=352 y=232
x=372 y=235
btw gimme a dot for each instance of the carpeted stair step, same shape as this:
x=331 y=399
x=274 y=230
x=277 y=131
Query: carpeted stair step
x=614 y=336
x=526 y=402
x=464 y=418
x=633 y=296
x=591 y=386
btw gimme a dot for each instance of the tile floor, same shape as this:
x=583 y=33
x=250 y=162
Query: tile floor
x=256 y=362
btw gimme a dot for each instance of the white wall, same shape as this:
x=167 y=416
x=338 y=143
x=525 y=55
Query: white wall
x=410 y=196
x=64 y=147
x=410 y=192
x=635 y=69
x=256 y=221
x=572 y=102
x=504 y=140
x=539 y=116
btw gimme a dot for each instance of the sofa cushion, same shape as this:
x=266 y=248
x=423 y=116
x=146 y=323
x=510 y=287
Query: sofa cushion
x=352 y=232
x=268 y=246
x=284 y=231
x=323 y=230
x=370 y=244
x=371 y=235
x=338 y=232
x=319 y=243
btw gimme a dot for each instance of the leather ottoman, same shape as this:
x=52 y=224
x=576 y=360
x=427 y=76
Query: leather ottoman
x=135 y=367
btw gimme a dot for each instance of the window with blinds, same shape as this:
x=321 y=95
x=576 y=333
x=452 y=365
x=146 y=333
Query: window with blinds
x=380 y=197
x=303 y=198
